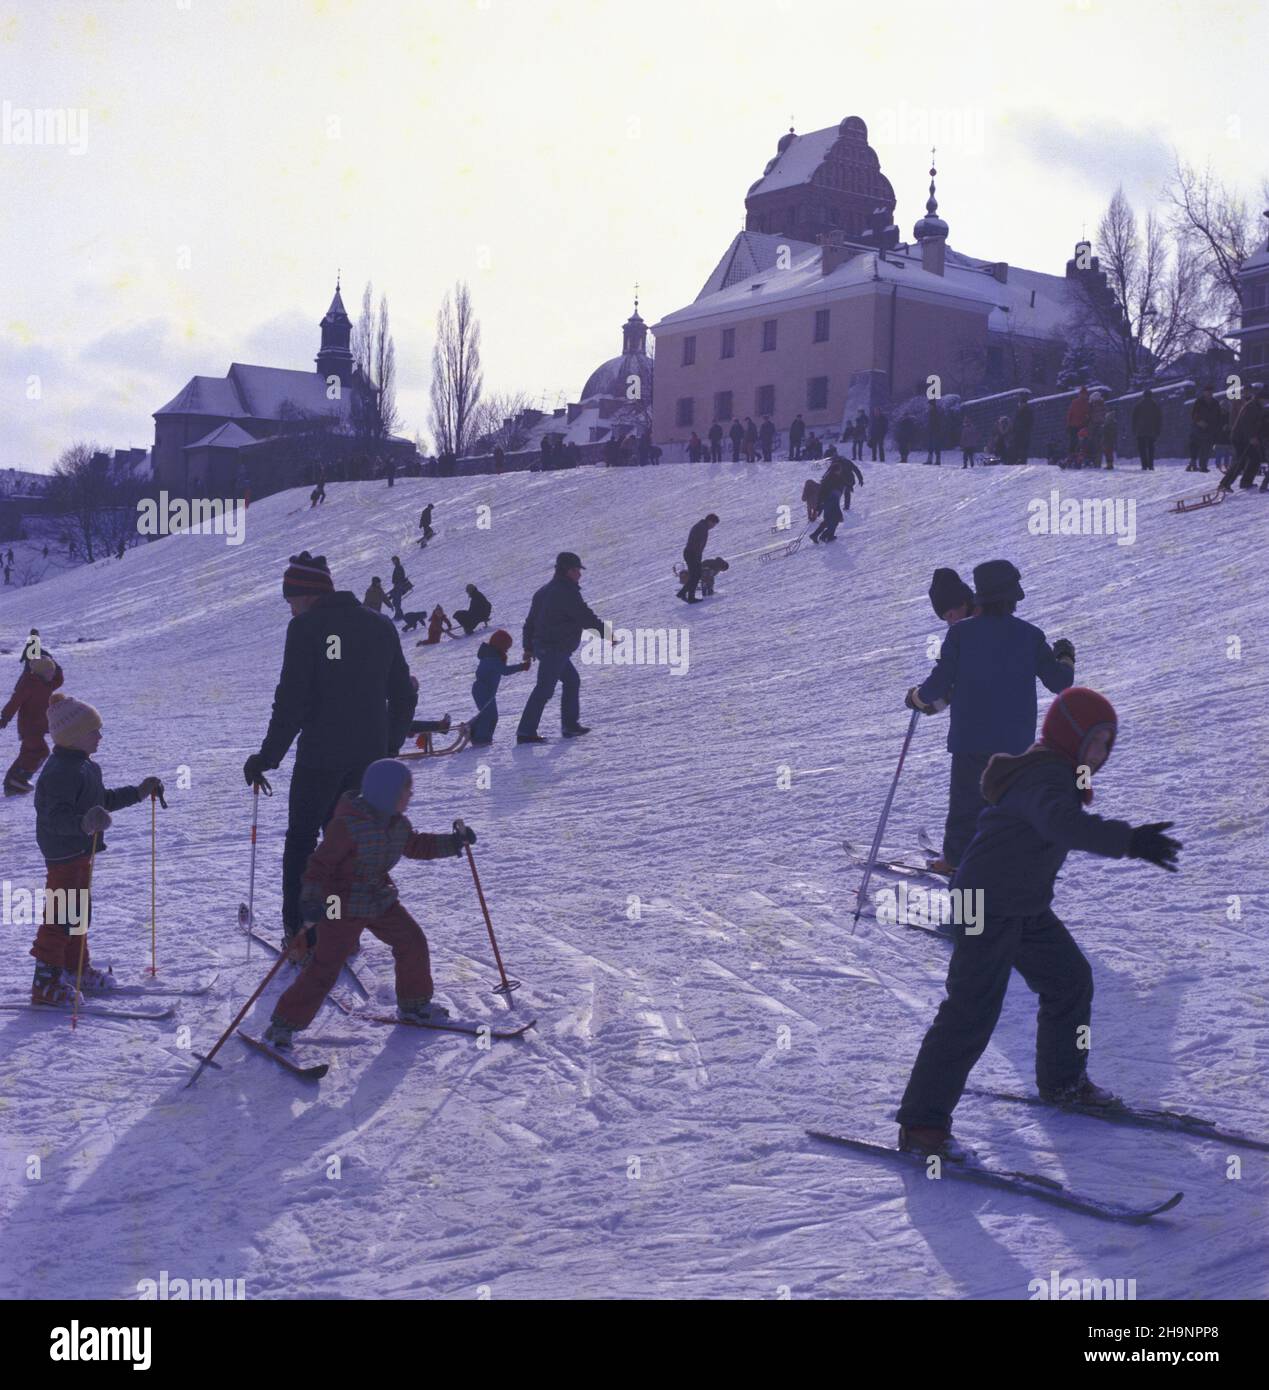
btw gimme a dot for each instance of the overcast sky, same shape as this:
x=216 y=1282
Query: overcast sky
x=222 y=159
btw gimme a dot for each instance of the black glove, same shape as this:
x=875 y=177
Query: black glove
x=463 y=835
x=1064 y=650
x=914 y=701
x=1150 y=843
x=254 y=769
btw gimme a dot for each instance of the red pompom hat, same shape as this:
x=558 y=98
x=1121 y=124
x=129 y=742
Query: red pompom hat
x=1073 y=718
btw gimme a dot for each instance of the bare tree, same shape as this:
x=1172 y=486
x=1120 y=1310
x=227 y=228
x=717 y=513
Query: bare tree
x=79 y=490
x=374 y=401
x=1219 y=232
x=457 y=378
x=1139 y=314
x=497 y=420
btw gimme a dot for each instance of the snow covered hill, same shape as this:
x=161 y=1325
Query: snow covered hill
x=673 y=894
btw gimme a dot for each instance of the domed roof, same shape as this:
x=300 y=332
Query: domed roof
x=612 y=378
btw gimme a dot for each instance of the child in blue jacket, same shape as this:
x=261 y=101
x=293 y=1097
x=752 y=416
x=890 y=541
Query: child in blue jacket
x=491 y=666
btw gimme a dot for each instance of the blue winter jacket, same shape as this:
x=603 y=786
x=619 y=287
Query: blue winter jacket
x=491 y=666
x=988 y=669
x=69 y=785
x=1034 y=816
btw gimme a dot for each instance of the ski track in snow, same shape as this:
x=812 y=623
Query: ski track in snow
x=681 y=921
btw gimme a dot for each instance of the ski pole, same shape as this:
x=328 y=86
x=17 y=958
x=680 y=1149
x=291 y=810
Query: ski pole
x=881 y=824
x=238 y=1017
x=507 y=985
x=251 y=883
x=154 y=851
x=83 y=943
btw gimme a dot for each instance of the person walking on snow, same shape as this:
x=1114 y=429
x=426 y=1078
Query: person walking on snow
x=491 y=667
x=558 y=615
x=425 y=524
x=72 y=812
x=375 y=597
x=1147 y=422
x=987 y=671
x=830 y=502
x=401 y=586
x=348 y=889
x=345 y=691
x=851 y=474
x=1034 y=817
x=693 y=554
x=29 y=702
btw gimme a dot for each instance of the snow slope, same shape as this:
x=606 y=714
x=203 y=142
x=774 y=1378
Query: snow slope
x=647 y=1138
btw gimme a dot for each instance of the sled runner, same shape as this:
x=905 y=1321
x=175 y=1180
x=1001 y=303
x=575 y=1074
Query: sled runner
x=1202 y=499
x=427 y=750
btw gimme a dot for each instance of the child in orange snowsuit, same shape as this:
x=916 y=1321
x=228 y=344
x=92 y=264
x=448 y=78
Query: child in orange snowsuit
x=29 y=702
x=435 y=623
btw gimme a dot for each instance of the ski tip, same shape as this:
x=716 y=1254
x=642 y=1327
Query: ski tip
x=1164 y=1206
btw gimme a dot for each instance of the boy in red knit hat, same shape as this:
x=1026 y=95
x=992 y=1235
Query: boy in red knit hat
x=29 y=702
x=1035 y=815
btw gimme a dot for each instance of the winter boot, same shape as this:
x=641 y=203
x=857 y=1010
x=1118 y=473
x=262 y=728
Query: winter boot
x=931 y=1142
x=52 y=987
x=16 y=782
x=530 y=738
x=96 y=981
x=421 y=1011
x=940 y=866
x=279 y=1035
x=1081 y=1092
x=574 y=730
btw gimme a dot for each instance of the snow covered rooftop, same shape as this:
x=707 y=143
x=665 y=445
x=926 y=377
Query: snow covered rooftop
x=251 y=392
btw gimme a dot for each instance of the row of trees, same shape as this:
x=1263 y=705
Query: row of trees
x=1173 y=278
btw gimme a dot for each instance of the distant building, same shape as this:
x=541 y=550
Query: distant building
x=268 y=427
x=1253 y=331
x=817 y=309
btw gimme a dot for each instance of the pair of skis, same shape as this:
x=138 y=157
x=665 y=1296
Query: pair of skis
x=119 y=992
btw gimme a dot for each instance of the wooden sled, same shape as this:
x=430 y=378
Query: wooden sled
x=427 y=749
x=1204 y=499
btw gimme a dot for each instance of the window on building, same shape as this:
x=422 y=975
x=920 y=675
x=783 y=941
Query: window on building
x=768 y=335
x=722 y=405
x=821 y=325
x=728 y=345
x=686 y=413
x=817 y=393
x=689 y=350
x=764 y=400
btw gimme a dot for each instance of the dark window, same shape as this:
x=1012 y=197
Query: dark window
x=689 y=351
x=821 y=325
x=728 y=348
x=722 y=405
x=765 y=401
x=686 y=411
x=768 y=335
x=817 y=393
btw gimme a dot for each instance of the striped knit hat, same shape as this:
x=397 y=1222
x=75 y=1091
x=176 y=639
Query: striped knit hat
x=306 y=576
x=71 y=721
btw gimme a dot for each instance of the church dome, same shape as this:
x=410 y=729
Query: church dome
x=612 y=378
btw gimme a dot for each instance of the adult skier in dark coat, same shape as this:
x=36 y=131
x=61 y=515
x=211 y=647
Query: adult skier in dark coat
x=1035 y=815
x=345 y=691
x=553 y=631
x=693 y=554
x=987 y=671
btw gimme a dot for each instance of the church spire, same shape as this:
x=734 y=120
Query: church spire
x=334 y=358
x=634 y=332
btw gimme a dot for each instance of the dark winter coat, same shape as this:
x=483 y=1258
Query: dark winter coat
x=987 y=670
x=766 y=432
x=491 y=666
x=851 y=474
x=29 y=702
x=348 y=710
x=1034 y=817
x=1250 y=422
x=71 y=784
x=797 y=432
x=1205 y=416
x=478 y=608
x=697 y=539
x=557 y=618
x=1147 y=418
x=737 y=432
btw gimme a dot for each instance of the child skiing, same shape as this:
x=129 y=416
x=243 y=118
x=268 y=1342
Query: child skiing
x=1034 y=817
x=29 y=702
x=491 y=667
x=72 y=806
x=987 y=671
x=347 y=889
